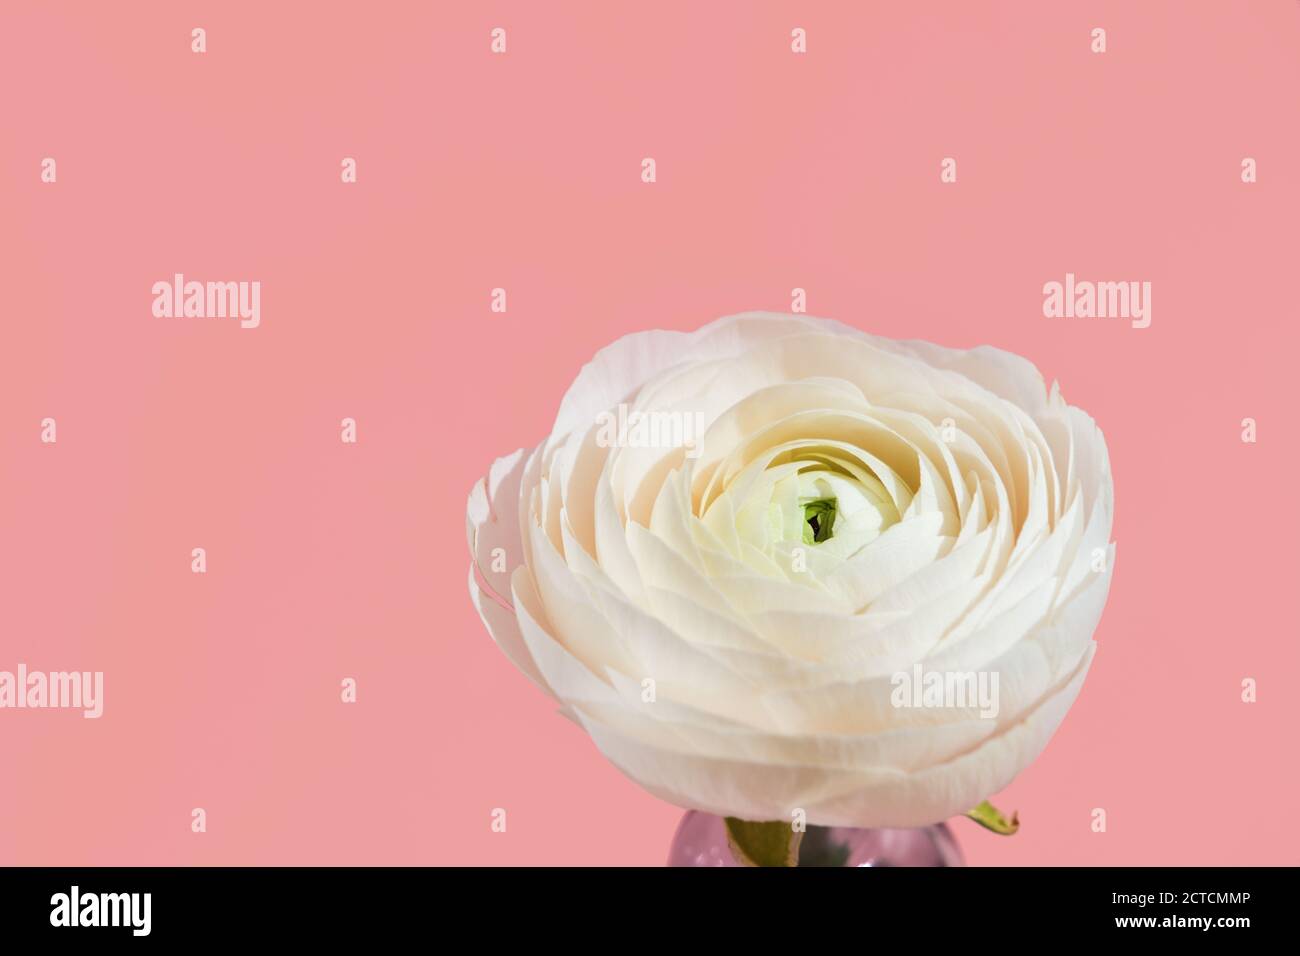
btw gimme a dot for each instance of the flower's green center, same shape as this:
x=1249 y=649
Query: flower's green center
x=813 y=509
x=819 y=520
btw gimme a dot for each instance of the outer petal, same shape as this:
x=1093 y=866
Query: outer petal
x=872 y=797
x=492 y=519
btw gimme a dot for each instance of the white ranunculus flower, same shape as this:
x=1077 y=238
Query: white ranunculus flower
x=727 y=618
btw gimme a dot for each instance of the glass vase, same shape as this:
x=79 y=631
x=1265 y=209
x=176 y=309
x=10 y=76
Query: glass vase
x=701 y=840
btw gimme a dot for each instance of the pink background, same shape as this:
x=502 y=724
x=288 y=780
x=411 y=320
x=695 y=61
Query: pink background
x=327 y=560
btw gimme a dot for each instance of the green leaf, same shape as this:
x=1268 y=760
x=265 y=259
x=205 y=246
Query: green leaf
x=991 y=818
x=775 y=843
x=819 y=520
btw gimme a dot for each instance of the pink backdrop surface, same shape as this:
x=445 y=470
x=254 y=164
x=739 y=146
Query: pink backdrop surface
x=522 y=171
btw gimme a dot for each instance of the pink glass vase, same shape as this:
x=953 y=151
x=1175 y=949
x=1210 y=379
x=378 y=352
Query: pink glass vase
x=701 y=840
